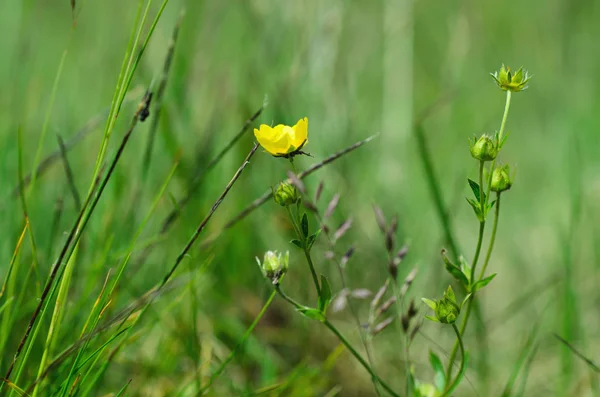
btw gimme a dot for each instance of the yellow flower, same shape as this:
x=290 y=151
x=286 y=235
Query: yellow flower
x=282 y=140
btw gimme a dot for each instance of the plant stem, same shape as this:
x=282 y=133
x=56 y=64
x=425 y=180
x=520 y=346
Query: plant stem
x=232 y=354
x=454 y=383
x=492 y=238
x=361 y=360
x=463 y=326
x=306 y=252
x=500 y=134
x=344 y=341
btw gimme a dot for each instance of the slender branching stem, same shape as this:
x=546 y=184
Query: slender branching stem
x=451 y=386
x=488 y=255
x=500 y=136
x=344 y=341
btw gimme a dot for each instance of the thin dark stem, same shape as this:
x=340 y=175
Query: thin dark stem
x=159 y=97
x=298 y=232
x=312 y=270
x=358 y=357
x=197 y=181
x=69 y=173
x=202 y=225
x=344 y=341
x=240 y=344
x=269 y=194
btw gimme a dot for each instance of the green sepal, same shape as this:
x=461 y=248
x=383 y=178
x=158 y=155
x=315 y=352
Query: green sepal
x=430 y=303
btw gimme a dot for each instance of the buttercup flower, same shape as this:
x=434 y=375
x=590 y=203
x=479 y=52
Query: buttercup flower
x=283 y=140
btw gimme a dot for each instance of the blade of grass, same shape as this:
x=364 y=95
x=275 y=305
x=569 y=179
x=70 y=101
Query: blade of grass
x=593 y=366
x=74 y=235
x=530 y=346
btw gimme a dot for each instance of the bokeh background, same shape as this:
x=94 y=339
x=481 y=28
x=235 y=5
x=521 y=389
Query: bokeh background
x=354 y=68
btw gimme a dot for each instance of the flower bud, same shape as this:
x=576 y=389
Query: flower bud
x=484 y=149
x=446 y=309
x=286 y=194
x=508 y=81
x=274 y=265
x=501 y=180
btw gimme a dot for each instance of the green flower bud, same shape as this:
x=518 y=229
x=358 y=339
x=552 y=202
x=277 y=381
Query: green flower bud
x=501 y=180
x=484 y=149
x=286 y=194
x=274 y=265
x=508 y=81
x=446 y=309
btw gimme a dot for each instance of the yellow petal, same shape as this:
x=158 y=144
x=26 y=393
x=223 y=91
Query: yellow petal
x=300 y=133
x=273 y=140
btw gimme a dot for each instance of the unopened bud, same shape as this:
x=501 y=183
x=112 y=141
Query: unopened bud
x=286 y=194
x=501 y=180
x=483 y=149
x=274 y=265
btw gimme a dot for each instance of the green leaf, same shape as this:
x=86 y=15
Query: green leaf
x=482 y=283
x=476 y=207
x=430 y=303
x=455 y=270
x=298 y=243
x=304 y=225
x=465 y=300
x=325 y=297
x=313 y=314
x=438 y=368
x=476 y=190
x=431 y=318
x=312 y=238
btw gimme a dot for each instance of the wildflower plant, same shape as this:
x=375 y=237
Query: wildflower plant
x=485 y=150
x=287 y=142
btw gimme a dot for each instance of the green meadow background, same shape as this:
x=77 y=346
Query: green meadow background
x=354 y=68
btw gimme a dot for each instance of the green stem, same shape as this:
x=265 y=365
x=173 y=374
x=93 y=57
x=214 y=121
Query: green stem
x=306 y=252
x=344 y=341
x=454 y=383
x=236 y=350
x=500 y=135
x=361 y=360
x=488 y=255
x=463 y=326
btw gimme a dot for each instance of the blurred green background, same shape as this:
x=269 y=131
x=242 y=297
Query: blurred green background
x=354 y=68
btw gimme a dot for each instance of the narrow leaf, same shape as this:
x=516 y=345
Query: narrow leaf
x=430 y=303
x=438 y=369
x=482 y=283
x=304 y=224
x=298 y=243
x=325 y=297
